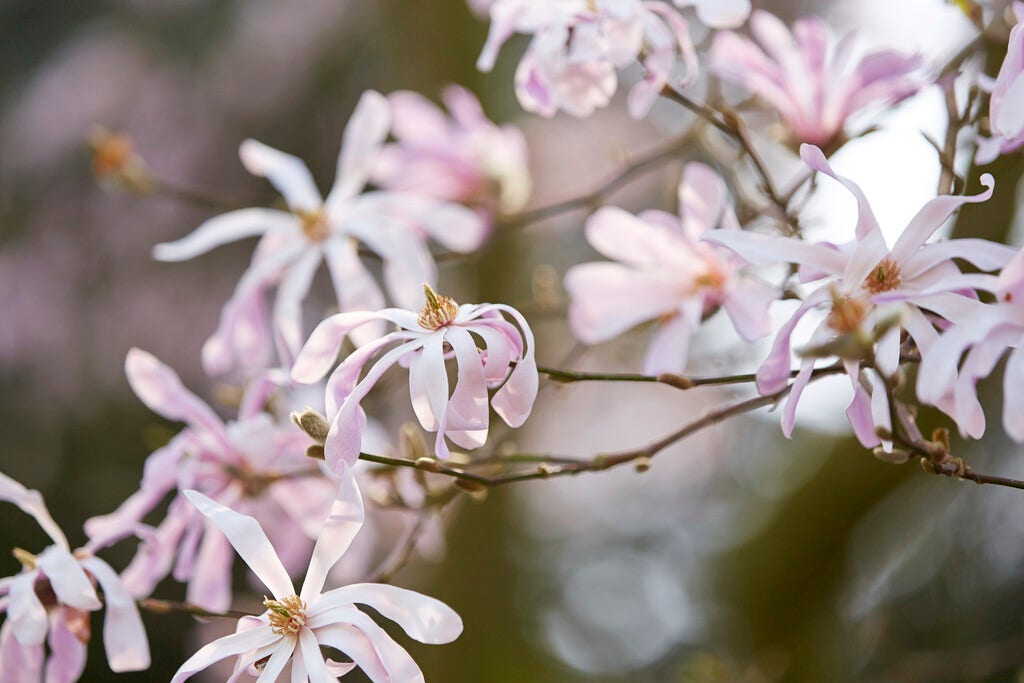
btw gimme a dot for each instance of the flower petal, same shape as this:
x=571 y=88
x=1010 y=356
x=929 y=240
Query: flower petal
x=31 y=502
x=248 y=538
x=21 y=663
x=222 y=648
x=25 y=613
x=69 y=581
x=124 y=635
x=340 y=527
x=288 y=305
x=930 y=218
x=279 y=659
x=285 y=172
x=866 y=222
x=67 y=653
x=321 y=349
x=424 y=618
x=354 y=286
x=364 y=134
x=357 y=646
x=222 y=229
x=514 y=400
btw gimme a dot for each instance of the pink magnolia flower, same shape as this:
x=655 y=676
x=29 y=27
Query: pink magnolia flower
x=1006 y=106
x=253 y=463
x=465 y=158
x=442 y=330
x=662 y=271
x=814 y=81
x=394 y=225
x=50 y=600
x=863 y=284
x=295 y=625
x=985 y=334
x=578 y=45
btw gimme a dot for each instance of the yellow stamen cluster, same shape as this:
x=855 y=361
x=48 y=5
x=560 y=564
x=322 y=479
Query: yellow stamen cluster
x=287 y=616
x=314 y=224
x=27 y=559
x=847 y=314
x=884 y=277
x=438 y=311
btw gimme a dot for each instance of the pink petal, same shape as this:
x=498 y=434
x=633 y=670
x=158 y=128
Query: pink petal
x=789 y=410
x=773 y=374
x=209 y=576
x=702 y=199
x=984 y=254
x=366 y=130
x=247 y=537
x=124 y=635
x=69 y=581
x=222 y=648
x=747 y=302
x=288 y=306
x=222 y=229
x=609 y=298
x=357 y=646
x=866 y=222
x=321 y=349
x=931 y=217
x=424 y=618
x=466 y=421
x=758 y=249
x=25 y=612
x=669 y=346
x=514 y=400
x=415 y=119
x=31 y=502
x=160 y=388
x=624 y=237
x=67 y=653
x=285 y=172
x=1013 y=396
x=340 y=527
x=19 y=663
x=354 y=286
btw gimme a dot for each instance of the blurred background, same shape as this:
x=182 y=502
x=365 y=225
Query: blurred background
x=740 y=556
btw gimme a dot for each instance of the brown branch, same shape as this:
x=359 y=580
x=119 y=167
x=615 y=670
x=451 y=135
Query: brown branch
x=169 y=606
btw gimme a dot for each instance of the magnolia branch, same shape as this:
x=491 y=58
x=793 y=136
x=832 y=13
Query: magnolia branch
x=169 y=606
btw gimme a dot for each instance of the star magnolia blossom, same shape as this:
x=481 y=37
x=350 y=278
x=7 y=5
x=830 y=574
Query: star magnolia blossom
x=465 y=158
x=1006 y=107
x=665 y=273
x=985 y=334
x=863 y=283
x=295 y=626
x=394 y=225
x=53 y=596
x=577 y=46
x=253 y=464
x=813 y=80
x=442 y=329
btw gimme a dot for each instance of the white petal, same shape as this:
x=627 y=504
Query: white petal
x=287 y=173
x=424 y=618
x=340 y=527
x=31 y=502
x=366 y=130
x=124 y=635
x=68 y=579
x=222 y=229
x=222 y=648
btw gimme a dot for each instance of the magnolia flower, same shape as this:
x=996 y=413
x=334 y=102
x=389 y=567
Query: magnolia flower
x=1006 y=106
x=253 y=463
x=465 y=158
x=296 y=625
x=50 y=600
x=578 y=45
x=813 y=80
x=394 y=225
x=443 y=329
x=985 y=334
x=663 y=272
x=866 y=286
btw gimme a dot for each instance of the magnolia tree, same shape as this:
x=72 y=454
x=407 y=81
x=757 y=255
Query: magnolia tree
x=910 y=322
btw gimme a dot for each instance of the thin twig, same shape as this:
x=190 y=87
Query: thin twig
x=168 y=606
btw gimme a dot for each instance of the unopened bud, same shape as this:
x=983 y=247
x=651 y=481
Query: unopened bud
x=928 y=466
x=115 y=162
x=316 y=451
x=545 y=470
x=313 y=423
x=428 y=464
x=642 y=464
x=470 y=486
x=893 y=457
x=940 y=437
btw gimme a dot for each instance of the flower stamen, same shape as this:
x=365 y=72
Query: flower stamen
x=438 y=310
x=847 y=314
x=314 y=224
x=287 y=616
x=884 y=277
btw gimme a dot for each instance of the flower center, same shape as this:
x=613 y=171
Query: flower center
x=884 y=277
x=846 y=315
x=314 y=224
x=438 y=311
x=288 y=616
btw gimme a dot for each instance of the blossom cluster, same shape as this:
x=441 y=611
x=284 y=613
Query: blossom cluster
x=282 y=483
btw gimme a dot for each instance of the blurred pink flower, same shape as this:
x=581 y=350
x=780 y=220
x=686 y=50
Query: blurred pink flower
x=253 y=463
x=578 y=45
x=53 y=594
x=464 y=158
x=1006 y=107
x=295 y=626
x=813 y=80
x=865 y=284
x=394 y=225
x=986 y=333
x=662 y=271
x=443 y=329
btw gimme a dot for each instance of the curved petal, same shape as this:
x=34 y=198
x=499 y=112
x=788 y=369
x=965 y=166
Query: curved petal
x=279 y=659
x=397 y=662
x=222 y=648
x=773 y=374
x=354 y=286
x=363 y=136
x=288 y=305
x=248 y=538
x=285 y=172
x=340 y=527
x=357 y=646
x=759 y=250
x=313 y=659
x=160 y=388
x=67 y=653
x=866 y=222
x=1013 y=396
x=514 y=400
x=468 y=414
x=931 y=217
x=222 y=229
x=321 y=349
x=31 y=502
x=67 y=578
x=21 y=663
x=25 y=613
x=789 y=410
x=424 y=618
x=124 y=635
x=428 y=383
x=984 y=254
